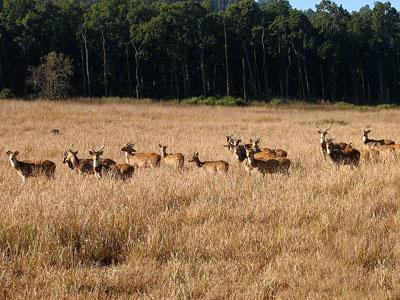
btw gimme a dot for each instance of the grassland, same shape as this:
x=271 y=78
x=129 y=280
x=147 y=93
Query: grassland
x=319 y=233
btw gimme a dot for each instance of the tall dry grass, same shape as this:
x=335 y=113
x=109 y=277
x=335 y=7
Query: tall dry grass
x=320 y=233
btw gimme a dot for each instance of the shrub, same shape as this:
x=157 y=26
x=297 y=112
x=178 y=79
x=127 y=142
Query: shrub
x=342 y=104
x=6 y=94
x=51 y=79
x=386 y=106
x=224 y=101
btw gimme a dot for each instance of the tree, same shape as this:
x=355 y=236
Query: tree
x=51 y=79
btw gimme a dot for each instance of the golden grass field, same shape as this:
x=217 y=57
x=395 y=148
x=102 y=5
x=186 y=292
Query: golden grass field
x=319 y=233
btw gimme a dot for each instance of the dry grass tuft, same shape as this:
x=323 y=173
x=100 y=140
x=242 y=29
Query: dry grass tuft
x=318 y=233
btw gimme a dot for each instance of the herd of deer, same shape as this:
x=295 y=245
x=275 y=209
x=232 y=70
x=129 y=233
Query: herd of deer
x=251 y=156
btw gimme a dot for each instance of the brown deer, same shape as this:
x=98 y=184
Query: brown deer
x=28 y=168
x=270 y=166
x=348 y=156
x=141 y=160
x=117 y=171
x=176 y=160
x=368 y=155
x=265 y=153
x=219 y=166
x=231 y=141
x=323 y=136
x=371 y=142
x=239 y=150
x=83 y=166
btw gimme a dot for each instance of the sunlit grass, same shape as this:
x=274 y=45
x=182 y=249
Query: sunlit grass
x=318 y=233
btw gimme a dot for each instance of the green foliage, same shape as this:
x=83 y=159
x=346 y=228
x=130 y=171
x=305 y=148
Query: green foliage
x=6 y=94
x=343 y=105
x=386 y=106
x=176 y=49
x=224 y=101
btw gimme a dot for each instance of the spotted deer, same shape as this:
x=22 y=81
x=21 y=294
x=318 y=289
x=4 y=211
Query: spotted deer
x=140 y=160
x=117 y=171
x=348 y=156
x=30 y=168
x=270 y=166
x=176 y=160
x=83 y=166
x=370 y=143
x=219 y=166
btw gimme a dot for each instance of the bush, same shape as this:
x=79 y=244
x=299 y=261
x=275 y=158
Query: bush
x=386 y=106
x=6 y=94
x=51 y=79
x=343 y=105
x=277 y=101
x=224 y=101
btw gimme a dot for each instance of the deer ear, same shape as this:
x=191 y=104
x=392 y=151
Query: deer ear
x=16 y=153
x=159 y=145
x=91 y=152
x=8 y=152
x=76 y=152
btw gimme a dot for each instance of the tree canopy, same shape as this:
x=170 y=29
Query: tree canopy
x=177 y=49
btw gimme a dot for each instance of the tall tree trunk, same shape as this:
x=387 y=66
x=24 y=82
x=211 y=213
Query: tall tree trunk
x=104 y=61
x=381 y=88
x=250 y=70
x=306 y=75
x=203 y=73
x=244 y=81
x=214 y=80
x=228 y=90
x=256 y=74
x=84 y=37
x=187 y=78
x=128 y=69
x=287 y=73
x=83 y=69
x=135 y=47
x=322 y=82
x=266 y=88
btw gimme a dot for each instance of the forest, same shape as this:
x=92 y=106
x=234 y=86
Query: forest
x=250 y=49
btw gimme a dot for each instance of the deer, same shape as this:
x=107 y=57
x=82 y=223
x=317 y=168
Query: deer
x=239 y=151
x=140 y=160
x=348 y=156
x=117 y=171
x=338 y=146
x=368 y=155
x=32 y=168
x=176 y=160
x=231 y=141
x=371 y=142
x=219 y=166
x=83 y=166
x=270 y=166
x=265 y=153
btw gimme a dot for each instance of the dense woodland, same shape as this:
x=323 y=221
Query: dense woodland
x=179 y=49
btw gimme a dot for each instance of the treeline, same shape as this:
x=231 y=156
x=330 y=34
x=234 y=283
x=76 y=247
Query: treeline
x=178 y=49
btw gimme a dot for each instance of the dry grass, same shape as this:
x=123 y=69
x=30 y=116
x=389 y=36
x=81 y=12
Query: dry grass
x=317 y=234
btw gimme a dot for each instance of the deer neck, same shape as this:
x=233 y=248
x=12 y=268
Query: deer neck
x=257 y=148
x=365 y=139
x=198 y=162
x=164 y=153
x=75 y=161
x=250 y=159
x=14 y=162
x=96 y=163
